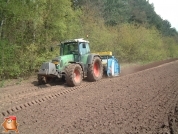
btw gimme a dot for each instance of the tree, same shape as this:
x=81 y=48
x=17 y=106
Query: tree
x=29 y=27
x=116 y=11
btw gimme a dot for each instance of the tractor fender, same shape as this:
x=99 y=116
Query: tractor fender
x=90 y=58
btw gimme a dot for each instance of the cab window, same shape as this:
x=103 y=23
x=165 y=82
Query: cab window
x=69 y=48
x=84 y=48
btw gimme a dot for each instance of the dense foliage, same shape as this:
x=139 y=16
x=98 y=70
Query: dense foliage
x=131 y=29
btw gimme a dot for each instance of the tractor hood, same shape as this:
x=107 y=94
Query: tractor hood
x=62 y=61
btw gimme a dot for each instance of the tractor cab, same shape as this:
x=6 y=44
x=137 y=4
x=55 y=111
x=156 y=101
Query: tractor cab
x=76 y=46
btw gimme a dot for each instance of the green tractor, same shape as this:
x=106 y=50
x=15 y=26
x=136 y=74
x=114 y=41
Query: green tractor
x=74 y=64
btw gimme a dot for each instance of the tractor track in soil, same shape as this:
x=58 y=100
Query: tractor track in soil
x=26 y=96
x=29 y=89
x=32 y=97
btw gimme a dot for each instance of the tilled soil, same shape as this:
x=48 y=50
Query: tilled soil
x=142 y=100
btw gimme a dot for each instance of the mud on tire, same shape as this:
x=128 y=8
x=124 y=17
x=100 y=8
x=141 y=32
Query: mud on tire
x=95 y=70
x=73 y=75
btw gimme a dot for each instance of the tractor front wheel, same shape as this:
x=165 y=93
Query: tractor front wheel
x=43 y=79
x=73 y=75
x=95 y=70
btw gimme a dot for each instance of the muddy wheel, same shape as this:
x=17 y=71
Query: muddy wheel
x=43 y=79
x=95 y=70
x=73 y=75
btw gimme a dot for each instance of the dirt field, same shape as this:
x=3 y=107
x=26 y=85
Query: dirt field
x=142 y=100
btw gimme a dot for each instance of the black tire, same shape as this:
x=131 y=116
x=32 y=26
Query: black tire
x=73 y=75
x=95 y=70
x=43 y=79
x=63 y=78
x=105 y=71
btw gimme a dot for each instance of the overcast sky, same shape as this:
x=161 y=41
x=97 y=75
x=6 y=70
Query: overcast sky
x=168 y=10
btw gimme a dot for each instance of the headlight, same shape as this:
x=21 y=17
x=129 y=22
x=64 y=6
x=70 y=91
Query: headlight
x=56 y=61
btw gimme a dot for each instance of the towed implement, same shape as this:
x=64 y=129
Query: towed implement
x=76 y=62
x=111 y=66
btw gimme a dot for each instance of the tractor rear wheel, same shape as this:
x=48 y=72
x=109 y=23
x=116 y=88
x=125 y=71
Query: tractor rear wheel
x=95 y=70
x=73 y=75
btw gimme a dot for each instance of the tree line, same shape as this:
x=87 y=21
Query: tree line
x=131 y=29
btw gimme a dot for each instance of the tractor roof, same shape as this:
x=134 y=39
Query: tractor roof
x=76 y=40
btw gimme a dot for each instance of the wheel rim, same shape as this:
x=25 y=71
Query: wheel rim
x=96 y=69
x=77 y=76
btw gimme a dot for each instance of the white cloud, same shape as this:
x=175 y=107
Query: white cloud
x=167 y=9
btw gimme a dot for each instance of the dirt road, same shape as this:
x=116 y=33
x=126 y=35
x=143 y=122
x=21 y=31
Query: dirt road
x=142 y=100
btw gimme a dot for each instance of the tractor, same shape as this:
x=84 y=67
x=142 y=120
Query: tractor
x=76 y=62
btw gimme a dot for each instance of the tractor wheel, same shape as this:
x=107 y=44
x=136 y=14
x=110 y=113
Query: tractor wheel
x=43 y=79
x=95 y=70
x=73 y=75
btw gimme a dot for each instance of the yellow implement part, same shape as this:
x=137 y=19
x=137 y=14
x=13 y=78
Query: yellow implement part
x=104 y=53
